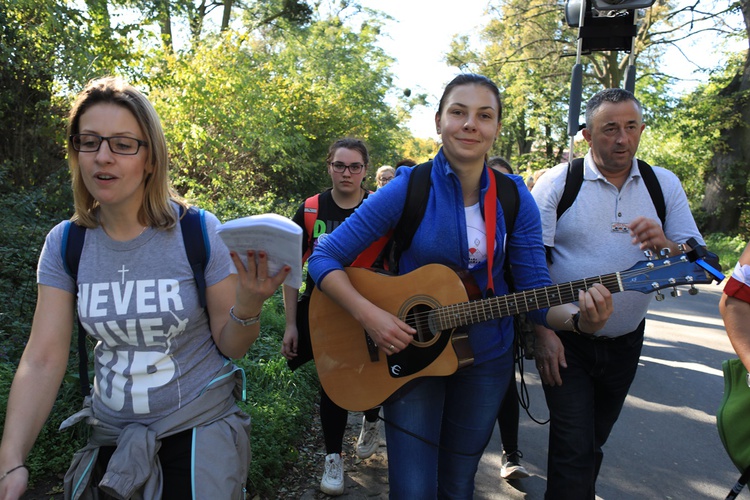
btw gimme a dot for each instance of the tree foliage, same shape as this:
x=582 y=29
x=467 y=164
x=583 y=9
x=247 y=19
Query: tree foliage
x=528 y=47
x=250 y=118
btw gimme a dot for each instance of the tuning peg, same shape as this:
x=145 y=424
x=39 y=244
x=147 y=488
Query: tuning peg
x=693 y=290
x=664 y=252
x=675 y=292
x=649 y=254
x=659 y=296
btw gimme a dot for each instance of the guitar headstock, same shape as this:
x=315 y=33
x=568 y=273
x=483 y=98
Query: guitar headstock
x=697 y=267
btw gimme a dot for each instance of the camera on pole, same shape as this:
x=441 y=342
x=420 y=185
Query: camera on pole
x=603 y=25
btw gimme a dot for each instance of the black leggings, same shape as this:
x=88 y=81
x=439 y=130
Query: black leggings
x=333 y=420
x=507 y=417
x=175 y=458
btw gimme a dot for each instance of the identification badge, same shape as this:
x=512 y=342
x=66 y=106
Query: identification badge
x=620 y=227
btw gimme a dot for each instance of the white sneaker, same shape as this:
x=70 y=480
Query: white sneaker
x=333 y=477
x=511 y=467
x=369 y=438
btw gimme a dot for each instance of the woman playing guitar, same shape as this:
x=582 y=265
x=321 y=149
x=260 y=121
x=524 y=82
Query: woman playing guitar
x=437 y=427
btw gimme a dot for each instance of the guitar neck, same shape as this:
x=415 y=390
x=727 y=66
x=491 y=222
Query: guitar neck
x=477 y=311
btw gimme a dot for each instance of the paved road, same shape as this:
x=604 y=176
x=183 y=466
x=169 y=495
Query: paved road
x=665 y=444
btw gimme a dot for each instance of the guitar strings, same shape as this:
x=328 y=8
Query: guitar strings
x=462 y=312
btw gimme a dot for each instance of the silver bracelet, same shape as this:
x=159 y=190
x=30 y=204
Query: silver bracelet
x=243 y=322
x=22 y=466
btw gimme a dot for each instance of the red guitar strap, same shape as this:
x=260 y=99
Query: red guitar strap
x=490 y=221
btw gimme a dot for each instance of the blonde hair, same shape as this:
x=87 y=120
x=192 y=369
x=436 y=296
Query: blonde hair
x=156 y=210
x=384 y=168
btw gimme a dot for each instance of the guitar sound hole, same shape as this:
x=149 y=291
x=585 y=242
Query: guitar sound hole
x=417 y=318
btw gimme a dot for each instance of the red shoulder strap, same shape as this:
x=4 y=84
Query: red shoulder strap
x=311 y=215
x=370 y=254
x=365 y=259
x=490 y=222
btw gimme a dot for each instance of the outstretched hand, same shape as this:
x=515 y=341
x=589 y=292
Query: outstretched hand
x=254 y=285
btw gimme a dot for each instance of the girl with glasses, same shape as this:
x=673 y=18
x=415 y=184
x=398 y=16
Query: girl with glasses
x=347 y=162
x=437 y=427
x=163 y=379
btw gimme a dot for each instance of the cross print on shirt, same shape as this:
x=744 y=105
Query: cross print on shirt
x=123 y=271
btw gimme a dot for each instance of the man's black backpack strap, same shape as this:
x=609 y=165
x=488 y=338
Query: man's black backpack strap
x=574 y=181
x=417 y=193
x=654 y=189
x=197 y=248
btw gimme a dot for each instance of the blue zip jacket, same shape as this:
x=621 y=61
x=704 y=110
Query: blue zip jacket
x=441 y=238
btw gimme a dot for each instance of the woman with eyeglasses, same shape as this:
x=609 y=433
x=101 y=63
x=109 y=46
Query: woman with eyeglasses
x=438 y=426
x=347 y=163
x=384 y=175
x=162 y=416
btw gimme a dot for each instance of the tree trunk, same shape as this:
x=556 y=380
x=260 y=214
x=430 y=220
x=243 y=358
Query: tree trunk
x=726 y=181
x=226 y=15
x=165 y=24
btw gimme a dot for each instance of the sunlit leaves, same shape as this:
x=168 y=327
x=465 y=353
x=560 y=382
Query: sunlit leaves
x=251 y=118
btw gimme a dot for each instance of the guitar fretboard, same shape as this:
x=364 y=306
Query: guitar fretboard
x=477 y=311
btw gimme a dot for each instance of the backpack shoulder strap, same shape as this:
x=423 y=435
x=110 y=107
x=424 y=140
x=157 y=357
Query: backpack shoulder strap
x=654 y=189
x=71 y=248
x=573 y=183
x=415 y=205
x=507 y=193
x=197 y=246
x=311 y=215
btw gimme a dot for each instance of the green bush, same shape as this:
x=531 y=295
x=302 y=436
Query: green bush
x=280 y=403
x=727 y=247
x=53 y=451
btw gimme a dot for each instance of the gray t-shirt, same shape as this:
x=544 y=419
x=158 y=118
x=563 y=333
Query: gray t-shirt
x=591 y=239
x=138 y=299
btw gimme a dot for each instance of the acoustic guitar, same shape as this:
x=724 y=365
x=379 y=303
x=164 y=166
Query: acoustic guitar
x=437 y=302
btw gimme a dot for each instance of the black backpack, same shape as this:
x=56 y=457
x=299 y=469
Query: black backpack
x=574 y=181
x=197 y=247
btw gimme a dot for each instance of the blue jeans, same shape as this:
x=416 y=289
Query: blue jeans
x=437 y=429
x=585 y=407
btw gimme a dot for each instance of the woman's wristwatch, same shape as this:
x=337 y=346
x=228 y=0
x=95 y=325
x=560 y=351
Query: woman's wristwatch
x=574 y=321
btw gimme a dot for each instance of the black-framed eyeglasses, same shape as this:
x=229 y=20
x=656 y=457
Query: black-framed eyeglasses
x=118 y=144
x=340 y=166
